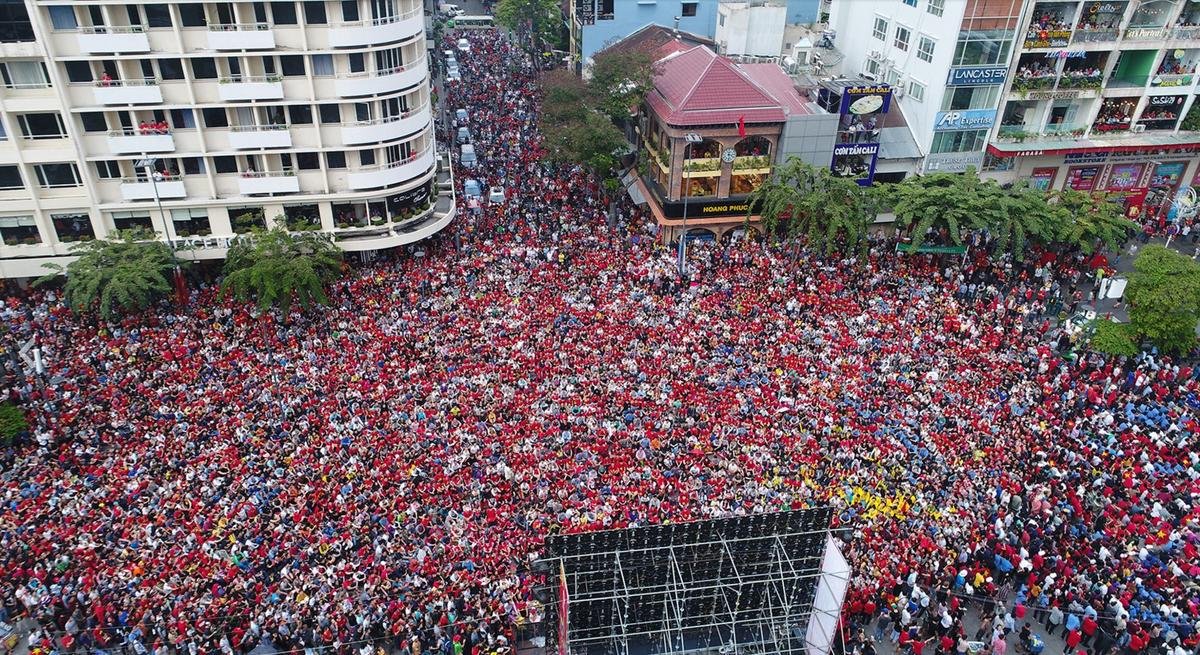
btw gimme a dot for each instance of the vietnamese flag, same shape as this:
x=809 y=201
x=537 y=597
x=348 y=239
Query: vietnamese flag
x=741 y=127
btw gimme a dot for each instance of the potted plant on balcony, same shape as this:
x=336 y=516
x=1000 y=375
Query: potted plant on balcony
x=246 y=223
x=378 y=220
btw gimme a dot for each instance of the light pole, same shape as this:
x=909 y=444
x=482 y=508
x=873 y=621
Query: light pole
x=690 y=137
x=148 y=164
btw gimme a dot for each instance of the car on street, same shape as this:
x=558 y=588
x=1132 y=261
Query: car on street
x=464 y=135
x=472 y=189
x=464 y=45
x=496 y=195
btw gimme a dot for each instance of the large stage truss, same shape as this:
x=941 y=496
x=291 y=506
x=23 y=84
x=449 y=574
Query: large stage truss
x=765 y=583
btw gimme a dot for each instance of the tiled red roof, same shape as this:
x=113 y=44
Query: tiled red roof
x=698 y=87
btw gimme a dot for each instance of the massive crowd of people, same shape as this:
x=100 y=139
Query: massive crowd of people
x=379 y=474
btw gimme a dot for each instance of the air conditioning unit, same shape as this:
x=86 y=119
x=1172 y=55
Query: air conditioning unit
x=898 y=91
x=869 y=76
x=1137 y=129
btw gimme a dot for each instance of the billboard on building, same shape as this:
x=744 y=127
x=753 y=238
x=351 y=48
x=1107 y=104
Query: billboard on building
x=953 y=162
x=977 y=76
x=856 y=151
x=965 y=119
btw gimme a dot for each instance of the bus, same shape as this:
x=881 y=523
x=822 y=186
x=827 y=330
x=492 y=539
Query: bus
x=473 y=22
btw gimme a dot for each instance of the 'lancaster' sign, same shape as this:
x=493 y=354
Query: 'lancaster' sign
x=977 y=76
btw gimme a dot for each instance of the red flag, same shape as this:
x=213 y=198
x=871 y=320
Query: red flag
x=741 y=127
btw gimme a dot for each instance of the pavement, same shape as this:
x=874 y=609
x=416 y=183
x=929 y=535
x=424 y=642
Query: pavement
x=1054 y=644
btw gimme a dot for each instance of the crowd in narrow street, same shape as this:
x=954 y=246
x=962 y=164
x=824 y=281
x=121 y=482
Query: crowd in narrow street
x=379 y=474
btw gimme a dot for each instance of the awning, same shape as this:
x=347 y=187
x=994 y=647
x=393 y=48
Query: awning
x=1130 y=143
x=629 y=179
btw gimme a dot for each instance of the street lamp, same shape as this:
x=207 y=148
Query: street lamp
x=690 y=137
x=148 y=165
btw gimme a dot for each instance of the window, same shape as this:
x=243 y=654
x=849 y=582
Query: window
x=225 y=164
x=10 y=177
x=366 y=157
x=910 y=3
x=51 y=176
x=292 y=65
x=190 y=222
x=925 y=47
x=936 y=7
x=893 y=76
x=330 y=114
x=158 y=15
x=284 y=13
x=108 y=169
x=964 y=141
x=183 y=119
x=191 y=14
x=131 y=221
x=307 y=161
x=916 y=91
x=42 y=126
x=300 y=115
x=73 y=227
x=872 y=68
x=335 y=159
x=322 y=65
x=350 y=11
x=982 y=47
x=358 y=63
x=688 y=9
x=881 y=29
x=170 y=69
x=193 y=165
x=721 y=22
x=314 y=12
x=903 y=35
x=19 y=230
x=970 y=97
x=63 y=17
x=215 y=117
x=93 y=121
x=388 y=60
x=15 y=24
x=78 y=71
x=204 y=68
x=24 y=75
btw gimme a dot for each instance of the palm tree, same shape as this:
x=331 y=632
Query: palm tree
x=116 y=276
x=944 y=203
x=277 y=267
x=1088 y=220
x=819 y=207
x=1017 y=216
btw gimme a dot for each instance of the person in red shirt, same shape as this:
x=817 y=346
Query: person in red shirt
x=1073 y=638
x=1089 y=630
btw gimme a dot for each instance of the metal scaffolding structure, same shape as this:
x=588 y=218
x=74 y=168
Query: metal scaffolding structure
x=742 y=585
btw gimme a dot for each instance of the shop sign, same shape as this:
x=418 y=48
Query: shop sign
x=411 y=198
x=1049 y=39
x=1124 y=177
x=968 y=119
x=1066 y=54
x=856 y=161
x=953 y=162
x=1052 y=95
x=707 y=208
x=977 y=76
x=1085 y=157
x=1043 y=177
x=585 y=12
x=1083 y=178
x=863 y=100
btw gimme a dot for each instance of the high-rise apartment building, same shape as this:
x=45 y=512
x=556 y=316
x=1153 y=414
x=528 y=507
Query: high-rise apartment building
x=204 y=120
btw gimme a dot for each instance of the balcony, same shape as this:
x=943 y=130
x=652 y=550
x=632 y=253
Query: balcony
x=241 y=36
x=391 y=174
x=112 y=40
x=133 y=142
x=245 y=87
x=386 y=129
x=365 y=84
x=378 y=31
x=1060 y=132
x=257 y=137
x=139 y=189
x=1191 y=33
x=254 y=183
x=1033 y=82
x=1072 y=80
x=128 y=92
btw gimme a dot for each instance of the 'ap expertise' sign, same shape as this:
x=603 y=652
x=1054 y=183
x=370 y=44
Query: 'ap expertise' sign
x=966 y=119
x=977 y=76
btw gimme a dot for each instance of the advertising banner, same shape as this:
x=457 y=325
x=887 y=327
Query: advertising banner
x=977 y=76
x=408 y=199
x=1042 y=178
x=1124 y=177
x=966 y=119
x=855 y=160
x=1083 y=178
x=953 y=162
x=865 y=100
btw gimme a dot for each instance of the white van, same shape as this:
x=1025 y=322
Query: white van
x=467 y=155
x=449 y=9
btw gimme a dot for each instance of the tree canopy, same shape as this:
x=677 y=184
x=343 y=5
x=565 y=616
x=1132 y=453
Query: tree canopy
x=940 y=204
x=574 y=130
x=113 y=277
x=1112 y=338
x=277 y=268
x=802 y=200
x=620 y=81
x=543 y=16
x=12 y=422
x=1164 y=298
x=1090 y=220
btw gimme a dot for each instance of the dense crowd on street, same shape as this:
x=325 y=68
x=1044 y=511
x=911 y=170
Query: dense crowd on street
x=379 y=474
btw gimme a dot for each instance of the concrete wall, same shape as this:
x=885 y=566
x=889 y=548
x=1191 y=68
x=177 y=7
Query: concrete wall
x=629 y=16
x=809 y=137
x=753 y=31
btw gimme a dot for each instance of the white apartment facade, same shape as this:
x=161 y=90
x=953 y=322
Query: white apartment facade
x=203 y=120
x=946 y=61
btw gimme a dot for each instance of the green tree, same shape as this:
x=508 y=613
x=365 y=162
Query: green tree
x=117 y=276
x=1087 y=221
x=12 y=422
x=1164 y=298
x=541 y=19
x=944 y=203
x=277 y=268
x=573 y=130
x=620 y=81
x=1017 y=217
x=1112 y=338
x=810 y=202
